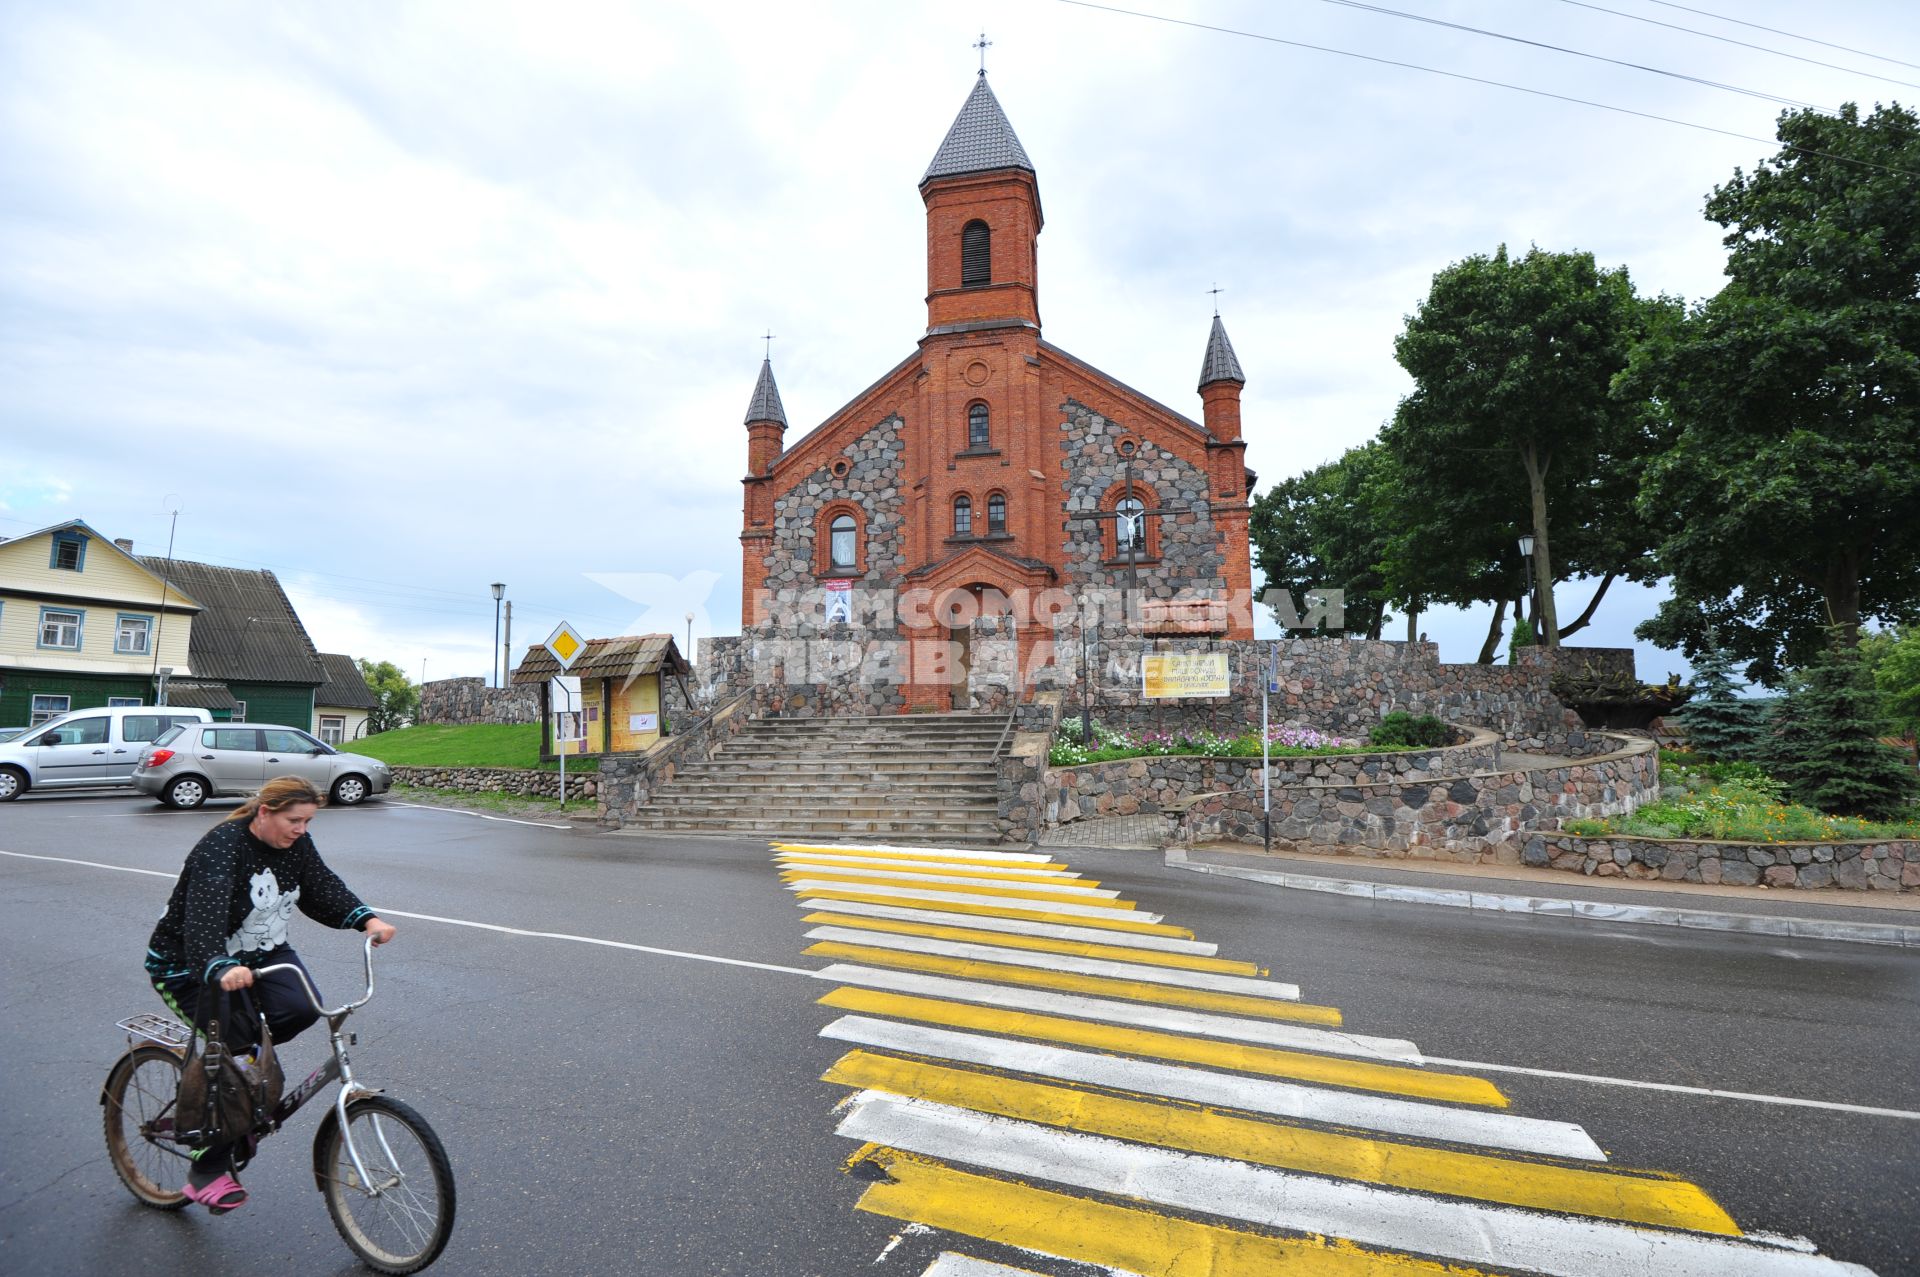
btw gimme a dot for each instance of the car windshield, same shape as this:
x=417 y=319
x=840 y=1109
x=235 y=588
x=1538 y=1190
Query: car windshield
x=169 y=736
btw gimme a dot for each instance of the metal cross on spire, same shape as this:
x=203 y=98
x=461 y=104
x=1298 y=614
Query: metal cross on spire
x=768 y=338
x=983 y=44
x=1216 y=290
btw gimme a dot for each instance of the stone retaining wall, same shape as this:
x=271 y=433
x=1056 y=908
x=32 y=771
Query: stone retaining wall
x=628 y=781
x=1875 y=866
x=522 y=782
x=470 y=700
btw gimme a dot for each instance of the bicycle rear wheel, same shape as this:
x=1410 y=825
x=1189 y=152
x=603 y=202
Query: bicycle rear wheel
x=398 y=1219
x=138 y=1099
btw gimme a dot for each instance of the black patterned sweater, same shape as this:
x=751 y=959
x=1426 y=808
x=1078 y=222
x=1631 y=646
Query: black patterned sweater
x=234 y=898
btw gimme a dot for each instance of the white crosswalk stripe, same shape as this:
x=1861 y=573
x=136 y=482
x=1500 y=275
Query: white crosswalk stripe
x=1075 y=908
x=1021 y=927
x=956 y=877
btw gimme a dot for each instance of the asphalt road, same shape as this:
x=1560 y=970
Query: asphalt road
x=616 y=1109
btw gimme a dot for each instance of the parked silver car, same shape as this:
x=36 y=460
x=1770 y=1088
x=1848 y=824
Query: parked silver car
x=86 y=749
x=187 y=766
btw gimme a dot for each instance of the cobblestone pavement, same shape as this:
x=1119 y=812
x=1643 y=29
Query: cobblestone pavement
x=1150 y=831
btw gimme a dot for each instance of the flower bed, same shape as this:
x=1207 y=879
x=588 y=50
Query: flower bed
x=1282 y=742
x=1735 y=802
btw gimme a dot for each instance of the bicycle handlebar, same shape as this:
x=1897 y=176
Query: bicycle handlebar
x=314 y=996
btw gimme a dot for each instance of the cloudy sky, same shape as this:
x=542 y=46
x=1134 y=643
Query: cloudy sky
x=399 y=300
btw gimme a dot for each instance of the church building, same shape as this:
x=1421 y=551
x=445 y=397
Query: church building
x=991 y=482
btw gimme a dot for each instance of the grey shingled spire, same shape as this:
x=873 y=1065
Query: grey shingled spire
x=1220 y=363
x=766 y=398
x=980 y=139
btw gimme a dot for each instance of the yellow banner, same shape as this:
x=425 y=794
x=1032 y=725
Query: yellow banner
x=1171 y=675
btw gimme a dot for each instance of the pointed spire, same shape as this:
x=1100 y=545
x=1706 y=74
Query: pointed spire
x=980 y=139
x=766 y=398
x=1220 y=363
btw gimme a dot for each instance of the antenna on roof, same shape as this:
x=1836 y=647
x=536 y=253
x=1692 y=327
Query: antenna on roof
x=982 y=44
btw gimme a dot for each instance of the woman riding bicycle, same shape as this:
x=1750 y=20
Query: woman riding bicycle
x=228 y=917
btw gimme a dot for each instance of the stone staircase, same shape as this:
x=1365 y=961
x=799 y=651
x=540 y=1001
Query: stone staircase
x=925 y=778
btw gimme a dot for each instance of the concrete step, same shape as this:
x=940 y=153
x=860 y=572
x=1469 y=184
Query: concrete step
x=983 y=833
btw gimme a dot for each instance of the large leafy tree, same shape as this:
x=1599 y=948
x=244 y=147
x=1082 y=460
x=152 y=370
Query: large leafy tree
x=1789 y=490
x=395 y=698
x=1513 y=426
x=1326 y=529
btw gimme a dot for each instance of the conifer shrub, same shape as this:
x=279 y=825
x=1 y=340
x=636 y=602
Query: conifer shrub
x=1403 y=729
x=1824 y=742
x=1720 y=723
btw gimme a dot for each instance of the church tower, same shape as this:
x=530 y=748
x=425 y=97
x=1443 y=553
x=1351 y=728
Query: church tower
x=766 y=435
x=983 y=223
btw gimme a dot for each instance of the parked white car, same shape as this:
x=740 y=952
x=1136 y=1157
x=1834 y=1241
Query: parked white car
x=190 y=764
x=86 y=748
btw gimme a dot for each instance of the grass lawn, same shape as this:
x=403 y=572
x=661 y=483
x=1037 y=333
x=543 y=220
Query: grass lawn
x=470 y=745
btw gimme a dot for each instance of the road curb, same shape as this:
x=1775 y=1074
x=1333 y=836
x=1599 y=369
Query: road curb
x=1900 y=937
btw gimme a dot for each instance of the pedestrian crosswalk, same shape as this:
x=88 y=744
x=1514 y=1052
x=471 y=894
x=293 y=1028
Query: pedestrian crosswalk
x=1035 y=1062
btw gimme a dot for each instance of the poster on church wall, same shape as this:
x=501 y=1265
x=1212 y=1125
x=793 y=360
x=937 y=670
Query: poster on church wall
x=1176 y=675
x=839 y=601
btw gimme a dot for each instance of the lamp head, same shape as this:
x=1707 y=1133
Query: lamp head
x=1526 y=546
x=499 y=588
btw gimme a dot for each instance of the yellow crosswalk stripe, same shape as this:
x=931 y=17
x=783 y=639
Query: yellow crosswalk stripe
x=1103 y=1233
x=793 y=864
x=1073 y=982
x=1041 y=944
x=1115 y=922
x=945 y=857
x=1629 y=1196
x=1013 y=893
x=1392 y=1079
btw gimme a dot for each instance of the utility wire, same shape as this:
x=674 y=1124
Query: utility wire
x=1578 y=53
x=1498 y=84
x=1707 y=13
x=1727 y=39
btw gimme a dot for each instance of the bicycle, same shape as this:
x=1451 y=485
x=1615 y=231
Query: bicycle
x=380 y=1168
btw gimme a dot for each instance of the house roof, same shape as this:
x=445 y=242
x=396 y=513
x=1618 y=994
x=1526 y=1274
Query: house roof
x=192 y=694
x=766 y=398
x=248 y=630
x=628 y=656
x=980 y=139
x=178 y=601
x=1220 y=363
x=344 y=688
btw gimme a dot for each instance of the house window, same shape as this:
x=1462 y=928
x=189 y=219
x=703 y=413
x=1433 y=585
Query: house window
x=239 y=714
x=962 y=517
x=69 y=552
x=976 y=255
x=1130 y=529
x=978 y=436
x=132 y=635
x=60 y=629
x=996 y=514
x=46 y=707
x=842 y=536
x=116 y=702
x=333 y=728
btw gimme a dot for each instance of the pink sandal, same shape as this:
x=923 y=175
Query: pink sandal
x=219 y=1197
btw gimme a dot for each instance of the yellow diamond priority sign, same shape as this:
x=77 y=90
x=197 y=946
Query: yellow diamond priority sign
x=566 y=644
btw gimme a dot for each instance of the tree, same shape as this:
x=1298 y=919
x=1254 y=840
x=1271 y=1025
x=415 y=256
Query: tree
x=1718 y=721
x=1789 y=488
x=395 y=699
x=1826 y=743
x=1325 y=529
x=1513 y=425
x=1894 y=658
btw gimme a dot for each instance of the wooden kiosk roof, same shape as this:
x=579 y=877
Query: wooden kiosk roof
x=630 y=655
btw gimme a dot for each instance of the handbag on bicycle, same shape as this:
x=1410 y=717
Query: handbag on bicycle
x=220 y=1101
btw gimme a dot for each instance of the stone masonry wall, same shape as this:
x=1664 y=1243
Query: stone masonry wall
x=628 y=781
x=872 y=482
x=1870 y=866
x=1189 y=547
x=470 y=700
x=522 y=782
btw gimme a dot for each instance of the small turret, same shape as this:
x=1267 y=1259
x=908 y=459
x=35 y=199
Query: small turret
x=766 y=424
x=1220 y=383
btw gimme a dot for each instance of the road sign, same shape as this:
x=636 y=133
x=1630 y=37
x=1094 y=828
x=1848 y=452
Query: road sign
x=566 y=644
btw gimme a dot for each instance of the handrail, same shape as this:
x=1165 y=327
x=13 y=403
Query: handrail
x=314 y=996
x=1000 y=745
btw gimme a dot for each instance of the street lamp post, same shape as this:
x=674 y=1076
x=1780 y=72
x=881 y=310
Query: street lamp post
x=1533 y=602
x=689 y=651
x=499 y=591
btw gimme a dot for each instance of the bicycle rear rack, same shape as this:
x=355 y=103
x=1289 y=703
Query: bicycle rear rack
x=158 y=1028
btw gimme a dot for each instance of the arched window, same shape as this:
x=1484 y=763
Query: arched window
x=978 y=434
x=976 y=255
x=1130 y=529
x=844 y=542
x=962 y=516
x=996 y=513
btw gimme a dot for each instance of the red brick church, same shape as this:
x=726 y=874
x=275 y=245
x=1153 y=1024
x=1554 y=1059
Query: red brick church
x=993 y=474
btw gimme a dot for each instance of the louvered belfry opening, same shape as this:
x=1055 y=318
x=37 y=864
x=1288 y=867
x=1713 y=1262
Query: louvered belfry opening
x=976 y=255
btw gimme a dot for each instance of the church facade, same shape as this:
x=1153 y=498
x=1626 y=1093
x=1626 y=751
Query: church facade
x=992 y=489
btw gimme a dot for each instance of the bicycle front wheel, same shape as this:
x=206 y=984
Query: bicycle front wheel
x=139 y=1099
x=398 y=1217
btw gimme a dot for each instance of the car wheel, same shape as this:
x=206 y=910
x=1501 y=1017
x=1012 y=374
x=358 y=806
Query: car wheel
x=13 y=783
x=350 y=791
x=186 y=793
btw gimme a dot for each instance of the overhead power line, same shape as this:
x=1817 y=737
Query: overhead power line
x=1707 y=13
x=1727 y=39
x=1498 y=84
x=1577 y=53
